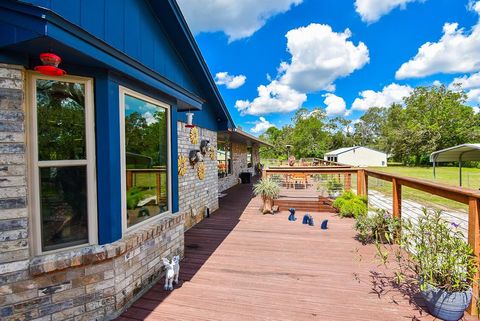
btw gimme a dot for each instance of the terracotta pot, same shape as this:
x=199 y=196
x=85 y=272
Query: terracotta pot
x=267 y=206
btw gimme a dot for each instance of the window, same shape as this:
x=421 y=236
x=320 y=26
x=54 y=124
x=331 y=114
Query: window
x=224 y=158
x=249 y=157
x=145 y=161
x=63 y=165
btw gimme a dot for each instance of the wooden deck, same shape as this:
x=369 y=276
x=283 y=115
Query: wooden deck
x=241 y=265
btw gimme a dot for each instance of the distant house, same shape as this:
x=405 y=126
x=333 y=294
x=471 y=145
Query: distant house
x=357 y=156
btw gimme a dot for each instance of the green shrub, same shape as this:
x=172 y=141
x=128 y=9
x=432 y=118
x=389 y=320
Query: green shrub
x=351 y=205
x=378 y=227
x=134 y=195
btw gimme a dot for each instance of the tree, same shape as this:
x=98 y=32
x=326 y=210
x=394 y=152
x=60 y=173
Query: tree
x=434 y=118
x=309 y=136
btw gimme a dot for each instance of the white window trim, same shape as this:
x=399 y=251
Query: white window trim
x=126 y=91
x=34 y=164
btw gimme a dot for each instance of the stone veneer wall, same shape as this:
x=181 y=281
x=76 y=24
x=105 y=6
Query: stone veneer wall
x=196 y=195
x=239 y=160
x=90 y=283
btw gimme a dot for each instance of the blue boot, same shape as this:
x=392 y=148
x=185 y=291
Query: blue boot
x=306 y=219
x=310 y=220
x=292 y=217
x=324 y=225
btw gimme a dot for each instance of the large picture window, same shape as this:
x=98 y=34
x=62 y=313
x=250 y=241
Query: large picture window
x=63 y=165
x=145 y=157
x=224 y=158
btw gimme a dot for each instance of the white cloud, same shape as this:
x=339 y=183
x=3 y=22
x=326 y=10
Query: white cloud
x=231 y=82
x=473 y=96
x=149 y=118
x=390 y=94
x=476 y=110
x=335 y=105
x=261 y=125
x=466 y=82
x=272 y=98
x=471 y=85
x=457 y=51
x=319 y=56
x=237 y=19
x=372 y=10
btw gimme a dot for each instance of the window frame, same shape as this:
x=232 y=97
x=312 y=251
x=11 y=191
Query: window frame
x=122 y=91
x=228 y=152
x=250 y=153
x=34 y=164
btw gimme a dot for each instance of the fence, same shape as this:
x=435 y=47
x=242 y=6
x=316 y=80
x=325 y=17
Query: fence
x=393 y=199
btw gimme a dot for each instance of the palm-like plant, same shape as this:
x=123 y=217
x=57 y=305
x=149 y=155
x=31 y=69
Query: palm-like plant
x=268 y=190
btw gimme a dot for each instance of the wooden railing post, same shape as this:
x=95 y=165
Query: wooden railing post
x=474 y=241
x=347 y=178
x=361 y=180
x=397 y=199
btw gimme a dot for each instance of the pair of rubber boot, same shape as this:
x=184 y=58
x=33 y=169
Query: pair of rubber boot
x=307 y=219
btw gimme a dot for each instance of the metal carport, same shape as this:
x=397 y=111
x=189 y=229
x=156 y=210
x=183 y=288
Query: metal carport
x=459 y=153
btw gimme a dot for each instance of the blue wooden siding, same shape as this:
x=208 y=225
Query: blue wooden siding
x=131 y=27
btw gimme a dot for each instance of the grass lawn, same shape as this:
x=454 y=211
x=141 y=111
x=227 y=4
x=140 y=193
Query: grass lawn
x=447 y=175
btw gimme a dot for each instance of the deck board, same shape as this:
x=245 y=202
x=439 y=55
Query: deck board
x=241 y=265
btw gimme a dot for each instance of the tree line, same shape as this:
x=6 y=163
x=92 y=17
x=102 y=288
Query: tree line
x=431 y=118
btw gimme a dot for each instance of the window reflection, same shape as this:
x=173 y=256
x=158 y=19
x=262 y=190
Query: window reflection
x=146 y=155
x=224 y=158
x=60 y=120
x=63 y=204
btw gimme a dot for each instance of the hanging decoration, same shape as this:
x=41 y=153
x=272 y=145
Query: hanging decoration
x=189 y=120
x=194 y=135
x=182 y=165
x=50 y=63
x=211 y=152
x=201 y=171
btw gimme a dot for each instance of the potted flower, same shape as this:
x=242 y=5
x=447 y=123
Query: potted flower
x=444 y=265
x=268 y=190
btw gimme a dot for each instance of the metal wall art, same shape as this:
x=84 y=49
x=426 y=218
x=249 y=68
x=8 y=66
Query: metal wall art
x=195 y=156
x=182 y=165
x=201 y=171
x=194 y=135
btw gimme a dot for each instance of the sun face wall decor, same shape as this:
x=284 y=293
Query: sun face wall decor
x=182 y=165
x=194 y=135
x=201 y=171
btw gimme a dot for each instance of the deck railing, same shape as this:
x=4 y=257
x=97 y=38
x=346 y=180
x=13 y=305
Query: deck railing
x=467 y=196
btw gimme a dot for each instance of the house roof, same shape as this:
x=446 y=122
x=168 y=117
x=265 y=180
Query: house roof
x=34 y=26
x=238 y=135
x=463 y=152
x=347 y=149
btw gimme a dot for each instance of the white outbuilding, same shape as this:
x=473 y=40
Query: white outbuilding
x=357 y=156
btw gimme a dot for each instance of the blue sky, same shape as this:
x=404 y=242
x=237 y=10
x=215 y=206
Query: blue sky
x=342 y=56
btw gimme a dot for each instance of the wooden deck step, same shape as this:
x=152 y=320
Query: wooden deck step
x=312 y=204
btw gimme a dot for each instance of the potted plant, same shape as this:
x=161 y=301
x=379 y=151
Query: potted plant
x=444 y=265
x=334 y=188
x=268 y=190
x=378 y=226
